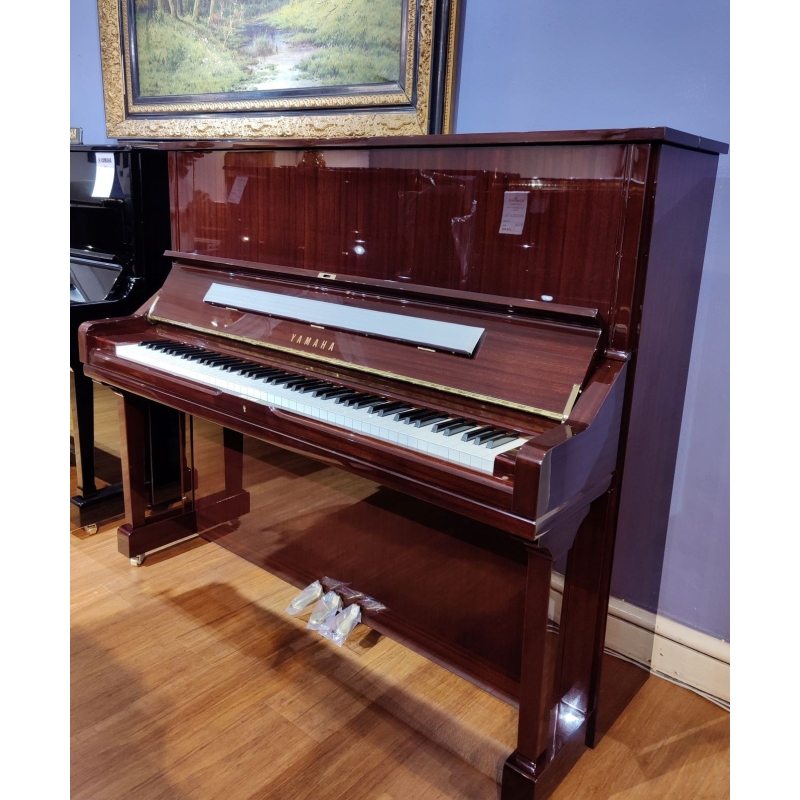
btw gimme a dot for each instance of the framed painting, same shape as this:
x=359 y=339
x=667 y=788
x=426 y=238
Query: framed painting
x=243 y=69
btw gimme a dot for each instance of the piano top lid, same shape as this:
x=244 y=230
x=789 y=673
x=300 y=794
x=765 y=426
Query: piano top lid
x=658 y=134
x=509 y=358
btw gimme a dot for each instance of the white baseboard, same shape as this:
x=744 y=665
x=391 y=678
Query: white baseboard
x=676 y=652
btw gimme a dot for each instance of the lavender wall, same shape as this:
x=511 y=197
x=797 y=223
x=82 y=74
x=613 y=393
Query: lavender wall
x=86 y=82
x=545 y=64
x=550 y=64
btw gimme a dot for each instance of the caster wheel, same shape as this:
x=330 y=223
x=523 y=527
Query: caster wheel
x=137 y=561
x=90 y=529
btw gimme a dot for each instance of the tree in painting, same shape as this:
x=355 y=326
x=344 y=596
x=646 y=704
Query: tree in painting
x=209 y=46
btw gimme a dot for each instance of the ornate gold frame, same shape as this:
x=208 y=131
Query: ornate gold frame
x=330 y=116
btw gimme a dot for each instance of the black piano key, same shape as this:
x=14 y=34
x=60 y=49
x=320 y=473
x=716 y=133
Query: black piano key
x=257 y=371
x=279 y=379
x=470 y=435
x=368 y=402
x=423 y=422
x=346 y=400
x=389 y=407
x=212 y=360
x=225 y=360
x=302 y=380
x=450 y=422
x=297 y=379
x=219 y=364
x=330 y=394
x=484 y=438
x=284 y=380
x=497 y=441
x=179 y=348
x=403 y=415
x=453 y=430
x=413 y=416
x=385 y=412
x=235 y=366
x=307 y=387
x=423 y=416
x=273 y=376
x=315 y=388
x=241 y=369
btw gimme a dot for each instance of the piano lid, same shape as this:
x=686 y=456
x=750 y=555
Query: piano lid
x=507 y=358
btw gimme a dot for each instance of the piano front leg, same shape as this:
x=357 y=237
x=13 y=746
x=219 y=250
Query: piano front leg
x=560 y=675
x=141 y=534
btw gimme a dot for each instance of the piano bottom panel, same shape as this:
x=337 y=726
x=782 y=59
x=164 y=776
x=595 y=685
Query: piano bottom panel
x=454 y=588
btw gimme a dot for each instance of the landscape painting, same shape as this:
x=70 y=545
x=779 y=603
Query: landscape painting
x=203 y=47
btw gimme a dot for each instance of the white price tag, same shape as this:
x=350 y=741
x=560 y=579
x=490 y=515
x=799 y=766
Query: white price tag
x=237 y=190
x=104 y=174
x=515 y=207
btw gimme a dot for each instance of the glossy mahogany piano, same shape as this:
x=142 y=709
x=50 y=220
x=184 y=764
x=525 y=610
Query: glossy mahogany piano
x=489 y=334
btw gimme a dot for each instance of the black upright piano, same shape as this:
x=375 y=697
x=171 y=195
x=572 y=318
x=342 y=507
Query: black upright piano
x=119 y=230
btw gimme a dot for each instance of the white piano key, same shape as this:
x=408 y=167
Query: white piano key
x=422 y=439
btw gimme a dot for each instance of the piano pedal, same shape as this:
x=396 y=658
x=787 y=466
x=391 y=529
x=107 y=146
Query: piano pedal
x=339 y=627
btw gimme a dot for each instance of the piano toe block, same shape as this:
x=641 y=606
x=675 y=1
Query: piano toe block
x=172 y=526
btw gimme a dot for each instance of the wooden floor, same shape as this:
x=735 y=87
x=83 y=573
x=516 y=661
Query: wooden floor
x=189 y=681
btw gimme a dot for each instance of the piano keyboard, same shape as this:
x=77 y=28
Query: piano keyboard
x=454 y=439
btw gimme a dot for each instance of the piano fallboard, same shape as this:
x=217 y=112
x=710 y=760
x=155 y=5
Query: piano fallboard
x=520 y=361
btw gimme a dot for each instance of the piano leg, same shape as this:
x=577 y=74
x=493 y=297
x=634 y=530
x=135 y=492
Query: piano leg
x=94 y=505
x=520 y=770
x=140 y=534
x=558 y=692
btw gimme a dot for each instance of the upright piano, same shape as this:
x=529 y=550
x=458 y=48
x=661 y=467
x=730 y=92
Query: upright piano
x=487 y=335
x=119 y=229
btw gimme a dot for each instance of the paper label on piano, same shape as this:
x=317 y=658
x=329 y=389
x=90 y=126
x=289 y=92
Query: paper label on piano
x=515 y=207
x=104 y=174
x=238 y=189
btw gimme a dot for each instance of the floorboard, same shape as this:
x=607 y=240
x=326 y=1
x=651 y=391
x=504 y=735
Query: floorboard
x=190 y=682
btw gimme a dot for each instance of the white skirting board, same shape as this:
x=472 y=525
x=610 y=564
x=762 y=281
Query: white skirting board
x=676 y=652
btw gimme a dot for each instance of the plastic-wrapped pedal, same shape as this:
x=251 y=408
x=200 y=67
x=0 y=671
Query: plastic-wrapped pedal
x=310 y=594
x=342 y=625
x=326 y=608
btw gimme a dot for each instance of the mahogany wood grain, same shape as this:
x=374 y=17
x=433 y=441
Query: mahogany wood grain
x=364 y=285
x=596 y=136
x=535 y=691
x=103 y=345
x=132 y=419
x=564 y=462
x=187 y=680
x=470 y=493
x=429 y=217
x=615 y=224
x=141 y=533
x=563 y=353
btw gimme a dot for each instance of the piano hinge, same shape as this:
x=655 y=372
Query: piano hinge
x=152 y=307
x=573 y=396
